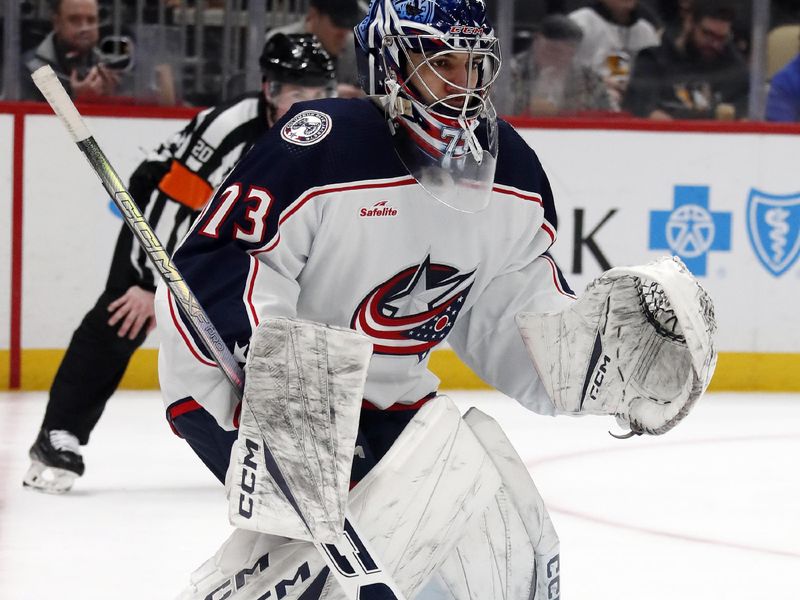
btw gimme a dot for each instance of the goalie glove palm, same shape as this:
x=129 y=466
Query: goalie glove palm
x=637 y=344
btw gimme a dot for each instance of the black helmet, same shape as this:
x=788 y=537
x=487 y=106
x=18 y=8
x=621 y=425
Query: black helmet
x=297 y=58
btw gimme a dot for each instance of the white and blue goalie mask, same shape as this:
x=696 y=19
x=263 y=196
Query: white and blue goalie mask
x=432 y=63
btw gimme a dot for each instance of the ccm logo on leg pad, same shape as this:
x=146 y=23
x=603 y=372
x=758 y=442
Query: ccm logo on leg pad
x=248 y=482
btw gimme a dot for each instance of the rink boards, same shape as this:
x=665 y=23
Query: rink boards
x=6 y=208
x=724 y=198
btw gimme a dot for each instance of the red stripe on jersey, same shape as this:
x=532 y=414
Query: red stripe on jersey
x=179 y=326
x=271 y=246
x=237 y=414
x=556 y=281
x=367 y=405
x=182 y=407
x=533 y=197
x=549 y=231
x=251 y=284
x=329 y=190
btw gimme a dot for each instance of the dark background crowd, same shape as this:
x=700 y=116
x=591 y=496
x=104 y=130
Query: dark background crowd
x=655 y=59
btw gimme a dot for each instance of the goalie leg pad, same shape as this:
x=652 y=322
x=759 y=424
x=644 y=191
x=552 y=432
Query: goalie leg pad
x=510 y=551
x=413 y=507
x=302 y=399
x=415 y=504
x=259 y=566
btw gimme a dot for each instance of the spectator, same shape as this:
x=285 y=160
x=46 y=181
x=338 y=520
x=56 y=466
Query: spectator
x=546 y=78
x=699 y=75
x=71 y=50
x=613 y=34
x=783 y=101
x=332 y=22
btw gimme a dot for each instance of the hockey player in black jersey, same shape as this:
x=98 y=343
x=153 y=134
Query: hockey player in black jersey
x=171 y=186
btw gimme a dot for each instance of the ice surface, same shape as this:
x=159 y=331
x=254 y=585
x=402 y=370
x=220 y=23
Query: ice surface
x=709 y=511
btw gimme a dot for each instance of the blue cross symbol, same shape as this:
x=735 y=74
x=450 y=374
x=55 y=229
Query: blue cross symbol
x=690 y=230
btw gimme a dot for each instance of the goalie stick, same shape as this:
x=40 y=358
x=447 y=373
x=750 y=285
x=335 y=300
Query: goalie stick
x=346 y=556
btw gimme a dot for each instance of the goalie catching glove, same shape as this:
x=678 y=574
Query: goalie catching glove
x=637 y=345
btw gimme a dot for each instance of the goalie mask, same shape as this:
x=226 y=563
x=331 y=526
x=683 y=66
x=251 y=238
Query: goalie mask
x=432 y=64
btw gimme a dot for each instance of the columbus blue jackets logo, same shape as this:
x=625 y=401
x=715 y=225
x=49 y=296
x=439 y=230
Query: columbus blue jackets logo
x=414 y=310
x=415 y=10
x=773 y=224
x=307 y=128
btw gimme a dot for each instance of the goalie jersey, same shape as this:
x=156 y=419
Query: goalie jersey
x=321 y=221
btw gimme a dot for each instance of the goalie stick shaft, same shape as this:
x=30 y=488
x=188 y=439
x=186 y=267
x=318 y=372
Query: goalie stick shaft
x=163 y=263
x=51 y=88
x=348 y=556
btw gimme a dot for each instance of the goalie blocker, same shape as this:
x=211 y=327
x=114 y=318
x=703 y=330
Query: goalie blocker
x=637 y=345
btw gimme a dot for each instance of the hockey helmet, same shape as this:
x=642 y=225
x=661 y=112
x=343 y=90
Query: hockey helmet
x=297 y=58
x=432 y=63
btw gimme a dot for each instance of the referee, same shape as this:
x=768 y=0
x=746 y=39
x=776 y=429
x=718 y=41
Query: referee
x=171 y=186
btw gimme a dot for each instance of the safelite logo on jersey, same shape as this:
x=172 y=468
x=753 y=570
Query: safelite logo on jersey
x=379 y=209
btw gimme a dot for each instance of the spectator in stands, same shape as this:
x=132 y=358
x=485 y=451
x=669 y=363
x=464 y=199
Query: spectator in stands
x=71 y=50
x=613 y=34
x=332 y=21
x=783 y=100
x=546 y=78
x=699 y=75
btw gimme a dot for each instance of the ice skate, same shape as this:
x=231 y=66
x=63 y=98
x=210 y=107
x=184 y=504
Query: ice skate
x=56 y=462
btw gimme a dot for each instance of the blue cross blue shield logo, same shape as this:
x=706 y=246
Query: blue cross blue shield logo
x=691 y=230
x=773 y=224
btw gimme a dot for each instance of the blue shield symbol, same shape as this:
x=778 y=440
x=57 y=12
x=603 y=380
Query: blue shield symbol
x=773 y=224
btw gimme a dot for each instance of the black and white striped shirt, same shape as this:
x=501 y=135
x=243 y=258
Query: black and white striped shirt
x=177 y=179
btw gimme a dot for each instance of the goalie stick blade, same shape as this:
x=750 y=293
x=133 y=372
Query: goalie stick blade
x=357 y=568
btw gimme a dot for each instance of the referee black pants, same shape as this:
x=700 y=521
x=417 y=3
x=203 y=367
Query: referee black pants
x=96 y=357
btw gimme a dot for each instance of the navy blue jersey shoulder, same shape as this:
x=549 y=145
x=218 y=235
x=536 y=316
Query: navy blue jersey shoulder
x=357 y=147
x=245 y=211
x=519 y=167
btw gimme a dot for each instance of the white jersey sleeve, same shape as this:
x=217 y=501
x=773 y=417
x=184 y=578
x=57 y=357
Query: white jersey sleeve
x=487 y=338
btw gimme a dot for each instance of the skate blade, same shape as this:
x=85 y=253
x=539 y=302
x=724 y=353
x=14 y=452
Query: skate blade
x=50 y=480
